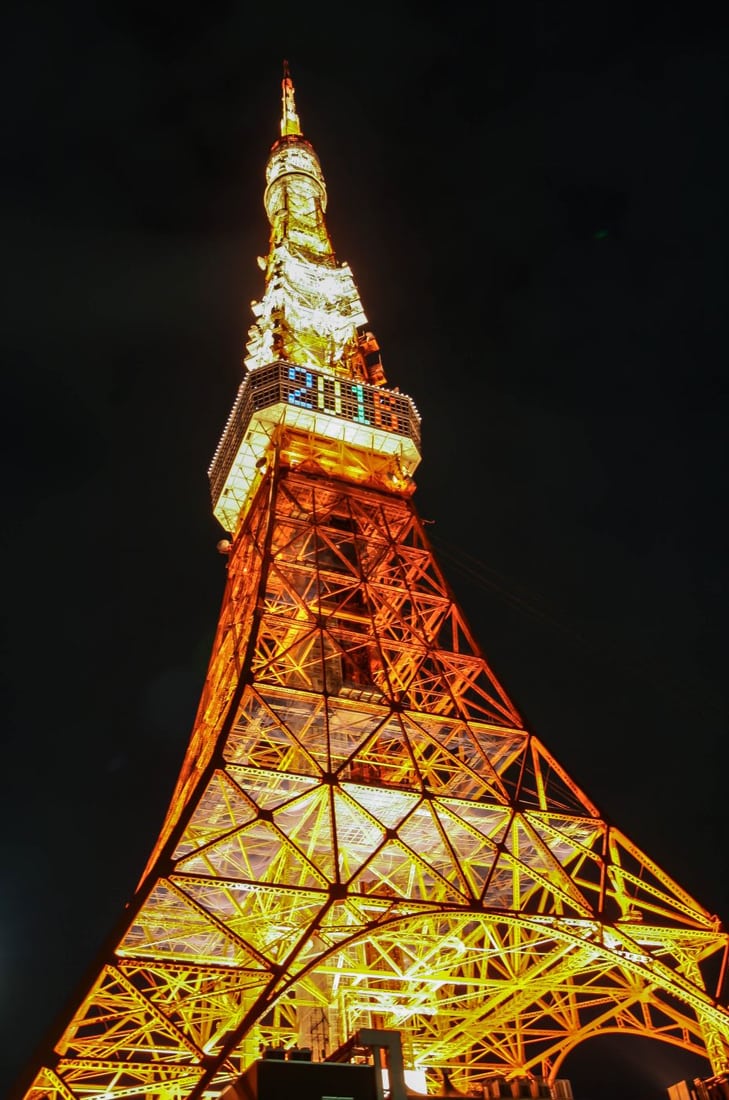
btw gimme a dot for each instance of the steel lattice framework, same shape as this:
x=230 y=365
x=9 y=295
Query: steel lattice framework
x=364 y=833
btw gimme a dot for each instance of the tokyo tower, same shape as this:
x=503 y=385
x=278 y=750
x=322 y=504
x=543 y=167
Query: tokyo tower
x=364 y=833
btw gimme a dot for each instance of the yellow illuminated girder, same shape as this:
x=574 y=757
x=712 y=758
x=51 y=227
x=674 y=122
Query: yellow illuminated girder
x=365 y=835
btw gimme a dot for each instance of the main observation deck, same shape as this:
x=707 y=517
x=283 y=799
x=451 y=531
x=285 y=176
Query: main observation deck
x=314 y=411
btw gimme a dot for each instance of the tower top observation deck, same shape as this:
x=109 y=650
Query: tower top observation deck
x=315 y=391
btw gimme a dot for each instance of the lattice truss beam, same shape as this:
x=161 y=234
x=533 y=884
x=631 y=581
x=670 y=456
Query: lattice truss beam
x=365 y=834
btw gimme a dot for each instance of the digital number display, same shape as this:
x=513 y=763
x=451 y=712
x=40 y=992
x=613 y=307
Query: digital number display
x=271 y=395
x=353 y=401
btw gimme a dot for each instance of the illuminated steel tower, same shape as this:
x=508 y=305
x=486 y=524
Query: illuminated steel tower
x=364 y=833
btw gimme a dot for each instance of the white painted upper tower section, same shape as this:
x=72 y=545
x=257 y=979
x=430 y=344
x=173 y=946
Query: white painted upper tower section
x=315 y=388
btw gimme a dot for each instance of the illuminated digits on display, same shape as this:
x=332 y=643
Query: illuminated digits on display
x=299 y=397
x=349 y=400
x=358 y=392
x=385 y=414
x=329 y=395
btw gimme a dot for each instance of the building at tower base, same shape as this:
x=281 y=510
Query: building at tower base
x=701 y=1088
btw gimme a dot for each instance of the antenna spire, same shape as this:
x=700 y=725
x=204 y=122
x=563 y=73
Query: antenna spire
x=290 y=124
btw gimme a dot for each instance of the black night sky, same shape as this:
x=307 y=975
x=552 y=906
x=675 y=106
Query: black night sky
x=533 y=202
